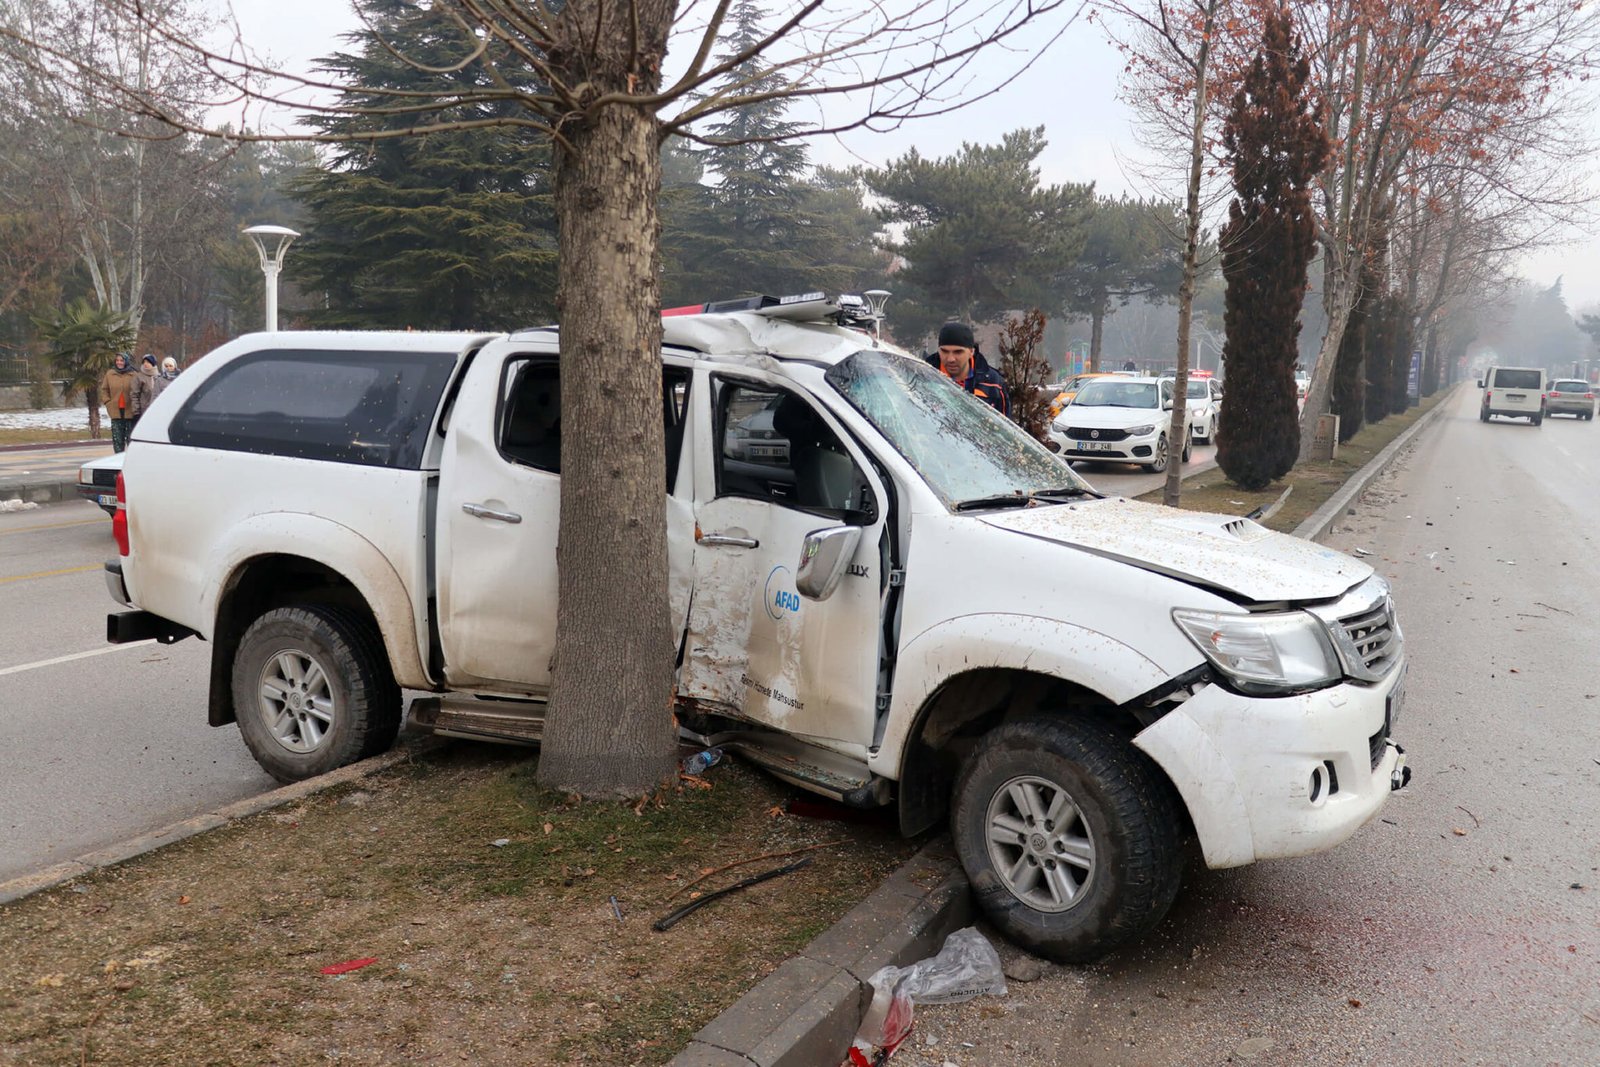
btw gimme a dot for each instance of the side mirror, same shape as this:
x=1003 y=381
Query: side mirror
x=1480 y=383
x=823 y=558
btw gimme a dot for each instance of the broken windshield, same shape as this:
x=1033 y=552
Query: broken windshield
x=964 y=449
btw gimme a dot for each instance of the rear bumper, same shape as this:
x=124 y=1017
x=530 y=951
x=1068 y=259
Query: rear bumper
x=125 y=627
x=1571 y=407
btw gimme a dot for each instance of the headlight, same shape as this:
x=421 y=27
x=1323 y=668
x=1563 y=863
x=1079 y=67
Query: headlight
x=1140 y=431
x=1268 y=652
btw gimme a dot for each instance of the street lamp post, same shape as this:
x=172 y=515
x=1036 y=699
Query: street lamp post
x=278 y=238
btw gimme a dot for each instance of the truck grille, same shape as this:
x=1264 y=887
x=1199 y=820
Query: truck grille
x=1374 y=637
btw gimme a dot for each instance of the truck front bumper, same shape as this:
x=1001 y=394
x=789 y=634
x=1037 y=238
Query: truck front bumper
x=1271 y=777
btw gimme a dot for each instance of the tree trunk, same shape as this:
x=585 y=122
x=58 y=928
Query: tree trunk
x=610 y=727
x=1177 y=432
x=1097 y=333
x=92 y=397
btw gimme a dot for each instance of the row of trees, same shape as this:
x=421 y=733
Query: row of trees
x=1448 y=126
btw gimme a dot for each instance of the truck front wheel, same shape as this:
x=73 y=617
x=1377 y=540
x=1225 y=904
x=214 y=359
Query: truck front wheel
x=312 y=691
x=1071 y=839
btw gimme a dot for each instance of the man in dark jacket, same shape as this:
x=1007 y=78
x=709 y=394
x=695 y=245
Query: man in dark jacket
x=961 y=361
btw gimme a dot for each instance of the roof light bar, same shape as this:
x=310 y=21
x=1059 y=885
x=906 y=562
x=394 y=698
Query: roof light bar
x=846 y=309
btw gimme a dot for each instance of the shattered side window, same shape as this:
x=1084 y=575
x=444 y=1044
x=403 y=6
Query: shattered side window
x=961 y=446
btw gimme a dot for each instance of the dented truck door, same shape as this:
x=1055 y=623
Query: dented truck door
x=774 y=468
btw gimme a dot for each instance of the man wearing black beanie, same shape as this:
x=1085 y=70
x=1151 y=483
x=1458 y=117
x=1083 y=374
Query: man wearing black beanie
x=959 y=358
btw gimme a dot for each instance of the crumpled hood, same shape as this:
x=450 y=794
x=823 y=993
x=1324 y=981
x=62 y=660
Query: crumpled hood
x=1233 y=555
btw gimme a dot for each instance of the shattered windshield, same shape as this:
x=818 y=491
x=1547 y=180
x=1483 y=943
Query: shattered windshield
x=965 y=450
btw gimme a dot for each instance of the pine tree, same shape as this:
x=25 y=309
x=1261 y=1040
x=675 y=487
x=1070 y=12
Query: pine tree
x=982 y=236
x=1276 y=145
x=1131 y=249
x=450 y=231
x=766 y=225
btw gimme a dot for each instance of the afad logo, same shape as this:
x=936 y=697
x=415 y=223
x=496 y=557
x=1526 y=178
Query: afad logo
x=780 y=596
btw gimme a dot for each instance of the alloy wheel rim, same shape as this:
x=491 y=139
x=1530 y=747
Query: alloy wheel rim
x=1039 y=843
x=297 y=701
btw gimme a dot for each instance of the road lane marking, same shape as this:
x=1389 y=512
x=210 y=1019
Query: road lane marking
x=75 y=656
x=52 y=574
x=53 y=526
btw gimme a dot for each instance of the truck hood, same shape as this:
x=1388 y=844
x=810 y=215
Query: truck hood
x=1232 y=555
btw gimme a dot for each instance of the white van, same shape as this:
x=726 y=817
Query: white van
x=1516 y=392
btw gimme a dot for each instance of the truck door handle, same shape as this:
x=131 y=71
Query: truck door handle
x=725 y=541
x=483 y=512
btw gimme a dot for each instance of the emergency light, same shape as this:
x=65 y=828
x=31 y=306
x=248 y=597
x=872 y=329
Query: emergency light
x=861 y=310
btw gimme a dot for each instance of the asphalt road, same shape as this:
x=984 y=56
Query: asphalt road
x=97 y=742
x=1463 y=926
x=1124 y=479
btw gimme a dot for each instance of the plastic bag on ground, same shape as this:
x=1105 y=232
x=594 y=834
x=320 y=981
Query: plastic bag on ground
x=966 y=967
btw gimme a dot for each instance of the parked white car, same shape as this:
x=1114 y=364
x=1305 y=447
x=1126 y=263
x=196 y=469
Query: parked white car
x=1120 y=420
x=911 y=602
x=1205 y=408
x=97 y=481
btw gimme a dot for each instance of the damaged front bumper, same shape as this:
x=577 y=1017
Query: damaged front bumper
x=1272 y=777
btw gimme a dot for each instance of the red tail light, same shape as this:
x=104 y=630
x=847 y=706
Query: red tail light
x=1488 y=395
x=119 y=521
x=1588 y=396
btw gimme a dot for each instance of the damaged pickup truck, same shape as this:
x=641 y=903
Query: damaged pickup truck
x=883 y=591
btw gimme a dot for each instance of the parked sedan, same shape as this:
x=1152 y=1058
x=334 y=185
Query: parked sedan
x=97 y=481
x=1570 y=396
x=1205 y=404
x=1120 y=420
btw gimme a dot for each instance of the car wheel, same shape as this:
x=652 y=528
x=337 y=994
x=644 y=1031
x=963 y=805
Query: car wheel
x=1188 y=449
x=1158 y=463
x=1483 y=415
x=1537 y=420
x=1070 y=837
x=312 y=691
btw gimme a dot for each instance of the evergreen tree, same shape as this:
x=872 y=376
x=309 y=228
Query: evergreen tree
x=1381 y=341
x=1276 y=145
x=1131 y=249
x=764 y=226
x=981 y=235
x=453 y=230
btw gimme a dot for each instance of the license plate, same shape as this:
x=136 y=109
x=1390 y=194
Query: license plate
x=768 y=451
x=1096 y=446
x=107 y=499
x=1395 y=703
x=1516 y=396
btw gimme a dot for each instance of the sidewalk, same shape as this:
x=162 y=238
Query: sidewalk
x=45 y=473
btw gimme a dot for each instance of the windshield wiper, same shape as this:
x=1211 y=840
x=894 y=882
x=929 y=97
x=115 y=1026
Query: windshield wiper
x=1019 y=499
x=1008 y=500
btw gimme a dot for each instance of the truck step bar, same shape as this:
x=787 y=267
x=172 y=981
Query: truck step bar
x=515 y=722
x=808 y=766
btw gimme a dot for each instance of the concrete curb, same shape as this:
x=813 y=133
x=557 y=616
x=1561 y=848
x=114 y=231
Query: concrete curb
x=122 y=851
x=1321 y=521
x=805 y=1013
x=40 y=492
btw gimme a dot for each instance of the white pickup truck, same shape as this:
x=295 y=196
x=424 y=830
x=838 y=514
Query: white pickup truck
x=882 y=591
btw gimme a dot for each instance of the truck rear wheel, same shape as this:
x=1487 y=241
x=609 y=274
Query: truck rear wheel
x=312 y=691
x=1070 y=837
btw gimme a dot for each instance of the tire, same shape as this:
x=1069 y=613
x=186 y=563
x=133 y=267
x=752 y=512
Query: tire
x=1188 y=450
x=1114 y=810
x=1159 y=462
x=348 y=710
x=1483 y=416
x=1537 y=420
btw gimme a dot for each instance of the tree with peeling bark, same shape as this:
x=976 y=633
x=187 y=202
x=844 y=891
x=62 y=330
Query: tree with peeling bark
x=606 y=103
x=1276 y=146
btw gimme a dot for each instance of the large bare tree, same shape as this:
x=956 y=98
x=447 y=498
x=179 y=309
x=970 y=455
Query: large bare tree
x=602 y=91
